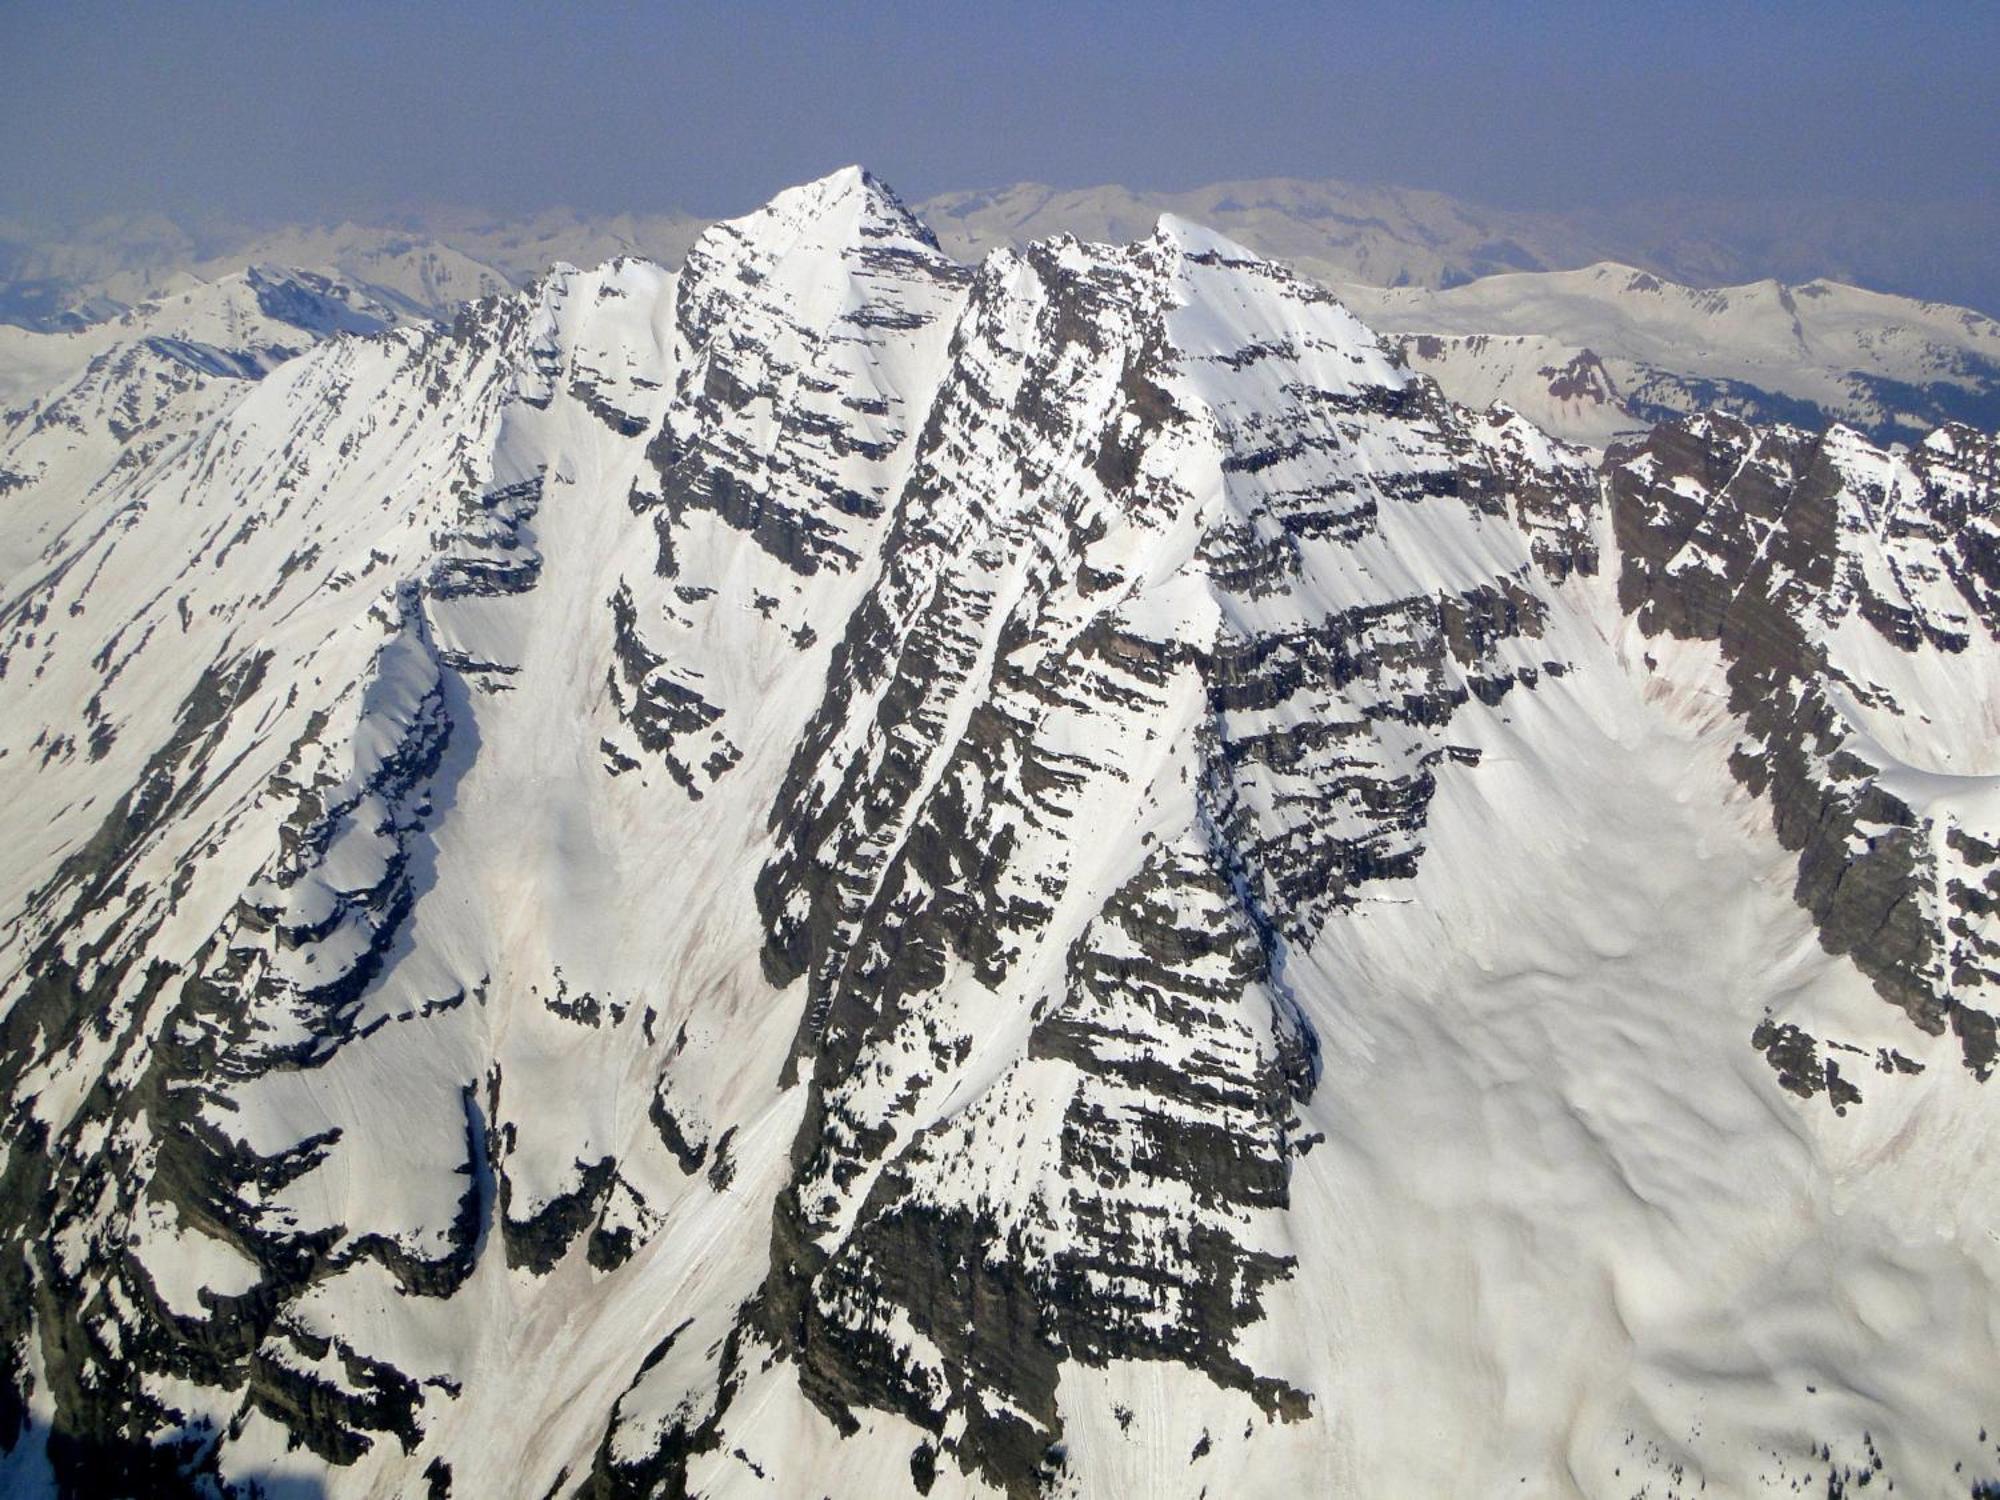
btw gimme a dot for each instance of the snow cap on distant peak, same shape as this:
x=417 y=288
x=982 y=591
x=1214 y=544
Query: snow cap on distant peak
x=852 y=190
x=1198 y=239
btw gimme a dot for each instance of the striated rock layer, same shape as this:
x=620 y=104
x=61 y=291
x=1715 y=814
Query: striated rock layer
x=835 y=873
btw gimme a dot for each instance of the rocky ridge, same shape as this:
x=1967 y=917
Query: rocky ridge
x=839 y=871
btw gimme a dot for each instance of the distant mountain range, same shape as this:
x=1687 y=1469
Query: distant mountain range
x=1609 y=350
x=426 y=267
x=83 y=410
x=1389 y=236
x=1331 y=230
x=1595 y=325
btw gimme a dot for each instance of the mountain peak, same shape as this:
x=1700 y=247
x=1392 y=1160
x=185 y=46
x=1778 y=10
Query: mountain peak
x=850 y=203
x=982 y=877
x=1191 y=238
x=844 y=237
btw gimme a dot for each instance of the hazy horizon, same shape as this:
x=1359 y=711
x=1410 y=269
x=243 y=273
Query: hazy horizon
x=302 y=111
x=216 y=113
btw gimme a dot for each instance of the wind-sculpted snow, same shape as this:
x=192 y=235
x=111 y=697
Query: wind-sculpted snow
x=836 y=874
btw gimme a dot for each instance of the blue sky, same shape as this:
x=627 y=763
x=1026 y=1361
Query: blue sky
x=295 y=110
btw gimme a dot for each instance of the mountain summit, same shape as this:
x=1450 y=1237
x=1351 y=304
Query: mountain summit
x=839 y=873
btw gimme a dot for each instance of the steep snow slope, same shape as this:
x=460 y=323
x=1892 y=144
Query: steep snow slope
x=1851 y=595
x=833 y=873
x=1609 y=350
x=84 y=410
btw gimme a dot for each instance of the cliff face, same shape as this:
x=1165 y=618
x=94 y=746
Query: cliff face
x=838 y=873
x=1851 y=593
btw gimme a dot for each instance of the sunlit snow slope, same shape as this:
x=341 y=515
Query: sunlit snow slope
x=1606 y=351
x=834 y=873
x=84 y=411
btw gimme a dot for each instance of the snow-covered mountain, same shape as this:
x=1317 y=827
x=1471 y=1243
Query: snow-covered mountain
x=1333 y=231
x=84 y=411
x=839 y=873
x=422 y=265
x=1341 y=231
x=1607 y=351
x=1592 y=354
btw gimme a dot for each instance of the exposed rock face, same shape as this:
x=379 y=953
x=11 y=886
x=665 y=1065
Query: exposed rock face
x=1841 y=582
x=793 y=877
x=1036 y=654
x=790 y=327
